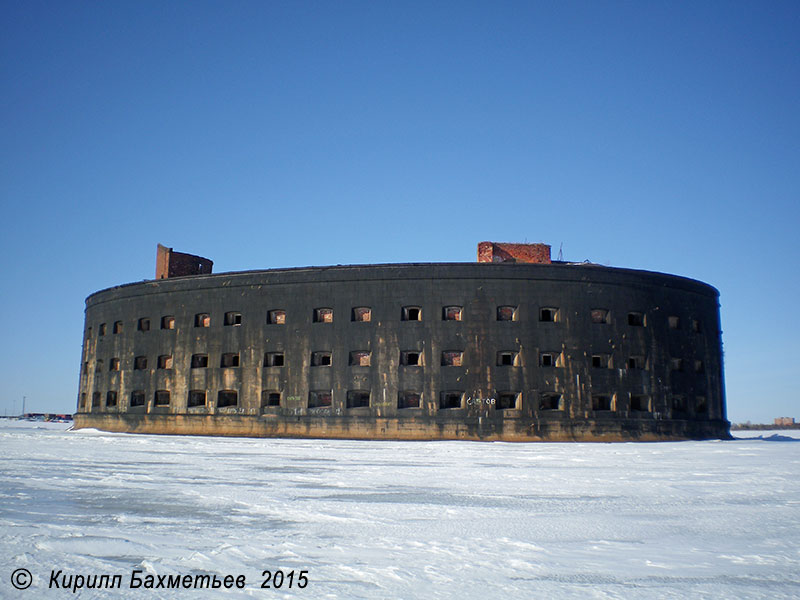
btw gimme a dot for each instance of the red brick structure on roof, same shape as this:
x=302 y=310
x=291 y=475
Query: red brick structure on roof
x=524 y=253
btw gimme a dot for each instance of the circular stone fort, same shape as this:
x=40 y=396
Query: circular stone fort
x=514 y=347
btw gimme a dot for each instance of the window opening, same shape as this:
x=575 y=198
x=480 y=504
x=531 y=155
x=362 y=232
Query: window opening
x=409 y=399
x=357 y=399
x=168 y=322
x=635 y=319
x=452 y=358
x=636 y=362
x=601 y=402
x=412 y=313
x=320 y=398
x=140 y=363
x=321 y=359
x=270 y=398
x=507 y=400
x=202 y=320
x=674 y=322
x=137 y=398
x=448 y=400
x=506 y=313
x=199 y=361
x=102 y=329
x=362 y=314
x=229 y=360
x=640 y=403
x=274 y=359
x=323 y=315
x=111 y=398
x=113 y=364
x=227 y=398
x=676 y=364
x=452 y=313
x=599 y=315
x=161 y=398
x=601 y=361
x=508 y=359
x=233 y=319
x=360 y=358
x=117 y=327
x=276 y=317
x=165 y=361
x=143 y=324
x=699 y=367
x=96 y=400
x=549 y=401
x=411 y=358
x=196 y=398
x=548 y=315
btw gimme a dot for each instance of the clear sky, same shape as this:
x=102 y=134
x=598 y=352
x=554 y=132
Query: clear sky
x=652 y=135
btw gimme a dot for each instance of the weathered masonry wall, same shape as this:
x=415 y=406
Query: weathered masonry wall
x=433 y=351
x=179 y=264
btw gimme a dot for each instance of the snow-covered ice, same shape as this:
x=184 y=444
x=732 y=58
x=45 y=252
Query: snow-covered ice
x=404 y=519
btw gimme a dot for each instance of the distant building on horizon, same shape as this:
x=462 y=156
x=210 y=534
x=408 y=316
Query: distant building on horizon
x=784 y=421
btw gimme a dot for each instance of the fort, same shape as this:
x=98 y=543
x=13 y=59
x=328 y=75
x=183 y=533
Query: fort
x=513 y=347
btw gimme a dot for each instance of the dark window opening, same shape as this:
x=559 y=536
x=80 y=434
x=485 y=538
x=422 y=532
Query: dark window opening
x=111 y=398
x=96 y=400
x=88 y=333
x=452 y=313
x=506 y=313
x=102 y=329
x=233 y=319
x=695 y=325
x=636 y=319
x=199 y=361
x=412 y=313
x=143 y=324
x=507 y=400
x=411 y=358
x=140 y=363
x=270 y=398
x=83 y=401
x=508 y=359
x=409 y=399
x=452 y=358
x=202 y=320
x=229 y=359
x=676 y=364
x=362 y=314
x=599 y=315
x=357 y=399
x=360 y=358
x=273 y=359
x=196 y=398
x=320 y=359
x=601 y=402
x=640 y=403
x=137 y=398
x=679 y=404
x=601 y=361
x=699 y=367
x=117 y=327
x=165 y=361
x=548 y=359
x=323 y=315
x=98 y=367
x=636 y=362
x=276 y=317
x=161 y=398
x=550 y=401
x=320 y=398
x=674 y=322
x=548 y=315
x=227 y=398
x=701 y=405
x=113 y=364
x=448 y=400
x=168 y=322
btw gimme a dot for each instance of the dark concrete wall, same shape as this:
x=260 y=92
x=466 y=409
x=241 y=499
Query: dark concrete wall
x=676 y=375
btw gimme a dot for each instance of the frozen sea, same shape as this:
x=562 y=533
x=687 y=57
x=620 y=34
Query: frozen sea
x=386 y=520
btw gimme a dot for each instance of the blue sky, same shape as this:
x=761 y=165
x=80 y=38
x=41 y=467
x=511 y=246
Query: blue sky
x=653 y=135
